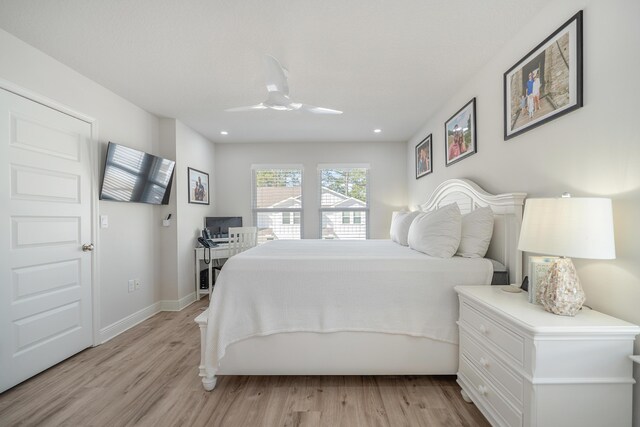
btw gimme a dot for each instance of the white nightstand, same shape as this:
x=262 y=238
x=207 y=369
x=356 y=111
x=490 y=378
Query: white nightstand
x=523 y=366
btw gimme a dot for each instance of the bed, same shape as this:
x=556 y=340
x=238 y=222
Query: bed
x=317 y=307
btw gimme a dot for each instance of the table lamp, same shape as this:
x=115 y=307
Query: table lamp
x=566 y=227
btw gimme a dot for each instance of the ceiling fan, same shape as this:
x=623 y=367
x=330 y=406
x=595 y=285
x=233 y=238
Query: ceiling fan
x=278 y=97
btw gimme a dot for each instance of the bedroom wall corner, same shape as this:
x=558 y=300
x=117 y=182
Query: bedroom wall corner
x=194 y=151
x=167 y=237
x=592 y=151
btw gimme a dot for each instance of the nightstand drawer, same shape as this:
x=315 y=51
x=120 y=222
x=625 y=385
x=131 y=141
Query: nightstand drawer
x=487 y=364
x=486 y=392
x=506 y=340
x=512 y=350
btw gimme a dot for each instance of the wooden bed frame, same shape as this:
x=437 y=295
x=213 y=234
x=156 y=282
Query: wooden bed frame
x=360 y=353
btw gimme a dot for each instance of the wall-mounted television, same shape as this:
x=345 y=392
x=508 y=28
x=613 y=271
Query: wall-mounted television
x=131 y=175
x=218 y=226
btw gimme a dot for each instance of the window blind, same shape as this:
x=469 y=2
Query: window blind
x=277 y=202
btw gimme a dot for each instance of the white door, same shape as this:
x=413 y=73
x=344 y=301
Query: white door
x=45 y=218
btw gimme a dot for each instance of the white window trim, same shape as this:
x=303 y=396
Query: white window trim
x=344 y=166
x=255 y=210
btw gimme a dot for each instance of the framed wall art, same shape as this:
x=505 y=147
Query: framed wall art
x=424 y=165
x=460 y=134
x=547 y=82
x=198 y=186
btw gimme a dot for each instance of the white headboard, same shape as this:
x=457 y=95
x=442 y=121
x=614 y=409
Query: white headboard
x=507 y=210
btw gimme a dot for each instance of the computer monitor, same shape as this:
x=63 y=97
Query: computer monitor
x=218 y=226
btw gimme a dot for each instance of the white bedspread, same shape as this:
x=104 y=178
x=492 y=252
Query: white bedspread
x=329 y=286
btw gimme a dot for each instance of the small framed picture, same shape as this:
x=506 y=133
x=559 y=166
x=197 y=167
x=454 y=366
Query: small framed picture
x=547 y=82
x=423 y=157
x=198 y=186
x=538 y=268
x=460 y=134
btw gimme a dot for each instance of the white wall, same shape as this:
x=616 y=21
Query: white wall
x=194 y=151
x=387 y=183
x=126 y=249
x=175 y=260
x=135 y=246
x=167 y=247
x=594 y=151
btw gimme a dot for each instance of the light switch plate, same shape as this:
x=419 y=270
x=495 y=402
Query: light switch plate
x=104 y=221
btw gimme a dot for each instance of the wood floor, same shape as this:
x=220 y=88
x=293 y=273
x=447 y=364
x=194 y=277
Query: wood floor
x=148 y=376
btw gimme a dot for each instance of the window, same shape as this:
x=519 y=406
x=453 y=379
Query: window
x=277 y=202
x=344 y=201
x=346 y=218
x=290 y=217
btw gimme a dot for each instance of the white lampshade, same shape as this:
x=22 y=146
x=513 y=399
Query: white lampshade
x=567 y=226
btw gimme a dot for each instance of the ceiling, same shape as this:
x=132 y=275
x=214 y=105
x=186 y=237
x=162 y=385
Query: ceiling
x=387 y=64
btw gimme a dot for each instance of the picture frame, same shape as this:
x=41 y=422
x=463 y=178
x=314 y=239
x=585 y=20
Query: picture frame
x=538 y=268
x=547 y=83
x=198 y=182
x=424 y=158
x=460 y=132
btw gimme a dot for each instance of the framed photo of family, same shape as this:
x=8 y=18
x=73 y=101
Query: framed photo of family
x=198 y=186
x=460 y=134
x=424 y=165
x=547 y=82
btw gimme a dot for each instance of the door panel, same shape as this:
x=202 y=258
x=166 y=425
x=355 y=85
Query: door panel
x=44 y=185
x=45 y=217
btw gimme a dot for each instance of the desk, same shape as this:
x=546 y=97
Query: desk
x=219 y=252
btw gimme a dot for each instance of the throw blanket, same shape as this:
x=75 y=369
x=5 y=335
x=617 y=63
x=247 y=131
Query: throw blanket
x=330 y=286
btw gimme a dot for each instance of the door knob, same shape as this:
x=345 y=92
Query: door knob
x=87 y=247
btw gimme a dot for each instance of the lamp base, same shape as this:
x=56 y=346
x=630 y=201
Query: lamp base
x=560 y=291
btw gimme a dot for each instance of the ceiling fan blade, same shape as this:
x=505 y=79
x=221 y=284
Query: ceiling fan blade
x=319 y=110
x=278 y=88
x=276 y=77
x=256 y=107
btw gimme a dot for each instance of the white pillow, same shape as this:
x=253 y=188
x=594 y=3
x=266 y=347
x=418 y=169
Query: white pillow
x=477 y=229
x=400 y=223
x=437 y=233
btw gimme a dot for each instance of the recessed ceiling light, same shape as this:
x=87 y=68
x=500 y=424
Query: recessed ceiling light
x=377 y=130
x=224 y=132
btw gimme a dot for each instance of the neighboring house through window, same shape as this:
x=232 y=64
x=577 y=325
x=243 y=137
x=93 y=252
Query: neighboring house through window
x=290 y=217
x=344 y=201
x=277 y=202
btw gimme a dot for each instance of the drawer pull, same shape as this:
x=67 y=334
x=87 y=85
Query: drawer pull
x=483 y=329
x=482 y=390
x=484 y=362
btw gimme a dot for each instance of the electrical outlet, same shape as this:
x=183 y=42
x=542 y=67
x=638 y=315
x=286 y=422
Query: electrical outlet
x=136 y=284
x=132 y=284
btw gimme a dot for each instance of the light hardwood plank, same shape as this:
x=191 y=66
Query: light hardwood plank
x=148 y=376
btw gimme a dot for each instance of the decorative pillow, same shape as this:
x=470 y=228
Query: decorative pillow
x=437 y=233
x=400 y=223
x=477 y=229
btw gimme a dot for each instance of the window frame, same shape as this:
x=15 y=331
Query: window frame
x=351 y=211
x=255 y=210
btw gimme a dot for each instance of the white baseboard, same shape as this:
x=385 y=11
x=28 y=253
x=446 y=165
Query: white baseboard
x=140 y=316
x=168 y=305
x=128 y=322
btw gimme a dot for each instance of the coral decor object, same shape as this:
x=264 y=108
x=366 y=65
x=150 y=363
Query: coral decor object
x=560 y=291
